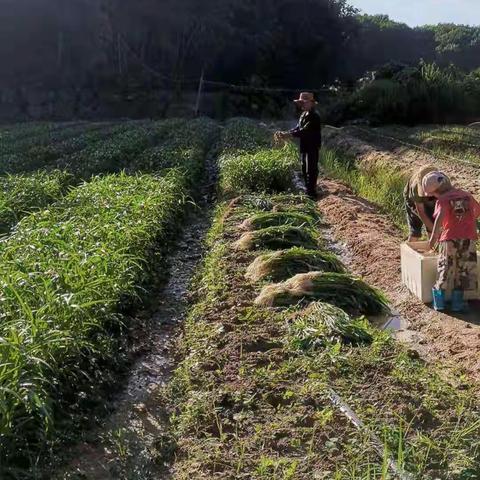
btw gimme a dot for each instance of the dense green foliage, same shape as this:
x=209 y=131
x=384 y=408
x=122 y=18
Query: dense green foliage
x=112 y=45
x=249 y=164
x=425 y=93
x=70 y=271
x=21 y=194
x=185 y=148
x=65 y=273
x=264 y=171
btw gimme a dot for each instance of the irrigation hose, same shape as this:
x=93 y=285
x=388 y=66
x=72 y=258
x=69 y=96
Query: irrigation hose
x=377 y=444
x=407 y=144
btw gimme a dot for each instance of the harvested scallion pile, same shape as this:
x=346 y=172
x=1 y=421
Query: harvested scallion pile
x=279 y=266
x=276 y=238
x=324 y=322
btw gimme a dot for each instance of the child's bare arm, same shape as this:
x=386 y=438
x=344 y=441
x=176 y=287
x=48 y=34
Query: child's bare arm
x=436 y=230
x=476 y=208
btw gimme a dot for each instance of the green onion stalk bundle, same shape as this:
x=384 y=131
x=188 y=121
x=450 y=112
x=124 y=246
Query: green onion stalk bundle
x=278 y=238
x=277 y=219
x=282 y=265
x=342 y=290
x=323 y=322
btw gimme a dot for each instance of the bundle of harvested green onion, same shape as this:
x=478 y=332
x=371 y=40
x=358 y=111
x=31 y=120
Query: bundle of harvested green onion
x=342 y=290
x=277 y=219
x=276 y=238
x=282 y=265
x=324 y=322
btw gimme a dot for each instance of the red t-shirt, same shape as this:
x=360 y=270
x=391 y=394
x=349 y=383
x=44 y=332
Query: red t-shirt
x=460 y=211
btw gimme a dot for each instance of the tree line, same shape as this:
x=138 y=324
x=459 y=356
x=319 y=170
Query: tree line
x=151 y=43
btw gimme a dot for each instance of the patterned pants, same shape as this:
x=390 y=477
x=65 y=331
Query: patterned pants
x=457 y=266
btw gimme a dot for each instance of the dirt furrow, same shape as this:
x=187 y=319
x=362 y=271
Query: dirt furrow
x=374 y=243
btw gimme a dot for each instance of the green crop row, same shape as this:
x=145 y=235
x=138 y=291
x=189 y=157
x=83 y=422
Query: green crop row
x=67 y=273
x=245 y=135
x=44 y=155
x=255 y=395
x=24 y=193
x=52 y=135
x=248 y=163
x=15 y=133
x=185 y=147
x=115 y=153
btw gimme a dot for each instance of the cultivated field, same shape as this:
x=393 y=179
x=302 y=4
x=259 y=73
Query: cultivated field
x=281 y=368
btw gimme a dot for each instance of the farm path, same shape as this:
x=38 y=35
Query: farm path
x=384 y=151
x=374 y=245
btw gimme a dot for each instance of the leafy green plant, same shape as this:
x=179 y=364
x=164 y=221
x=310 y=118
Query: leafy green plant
x=66 y=272
x=263 y=171
x=22 y=194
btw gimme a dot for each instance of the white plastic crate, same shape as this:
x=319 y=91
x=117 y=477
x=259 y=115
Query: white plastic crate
x=420 y=269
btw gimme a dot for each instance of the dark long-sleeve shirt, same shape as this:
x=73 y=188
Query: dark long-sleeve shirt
x=309 y=131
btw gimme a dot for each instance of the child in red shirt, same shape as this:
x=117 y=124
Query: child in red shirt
x=456 y=232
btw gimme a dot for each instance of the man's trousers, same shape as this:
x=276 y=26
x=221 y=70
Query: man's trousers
x=310 y=170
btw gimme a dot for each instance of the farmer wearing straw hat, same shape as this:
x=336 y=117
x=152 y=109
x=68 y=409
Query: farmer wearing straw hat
x=309 y=131
x=419 y=206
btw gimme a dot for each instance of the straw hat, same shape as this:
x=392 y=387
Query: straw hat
x=419 y=175
x=433 y=181
x=306 y=97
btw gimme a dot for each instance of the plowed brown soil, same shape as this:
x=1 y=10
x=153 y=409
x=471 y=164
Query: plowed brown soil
x=375 y=246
